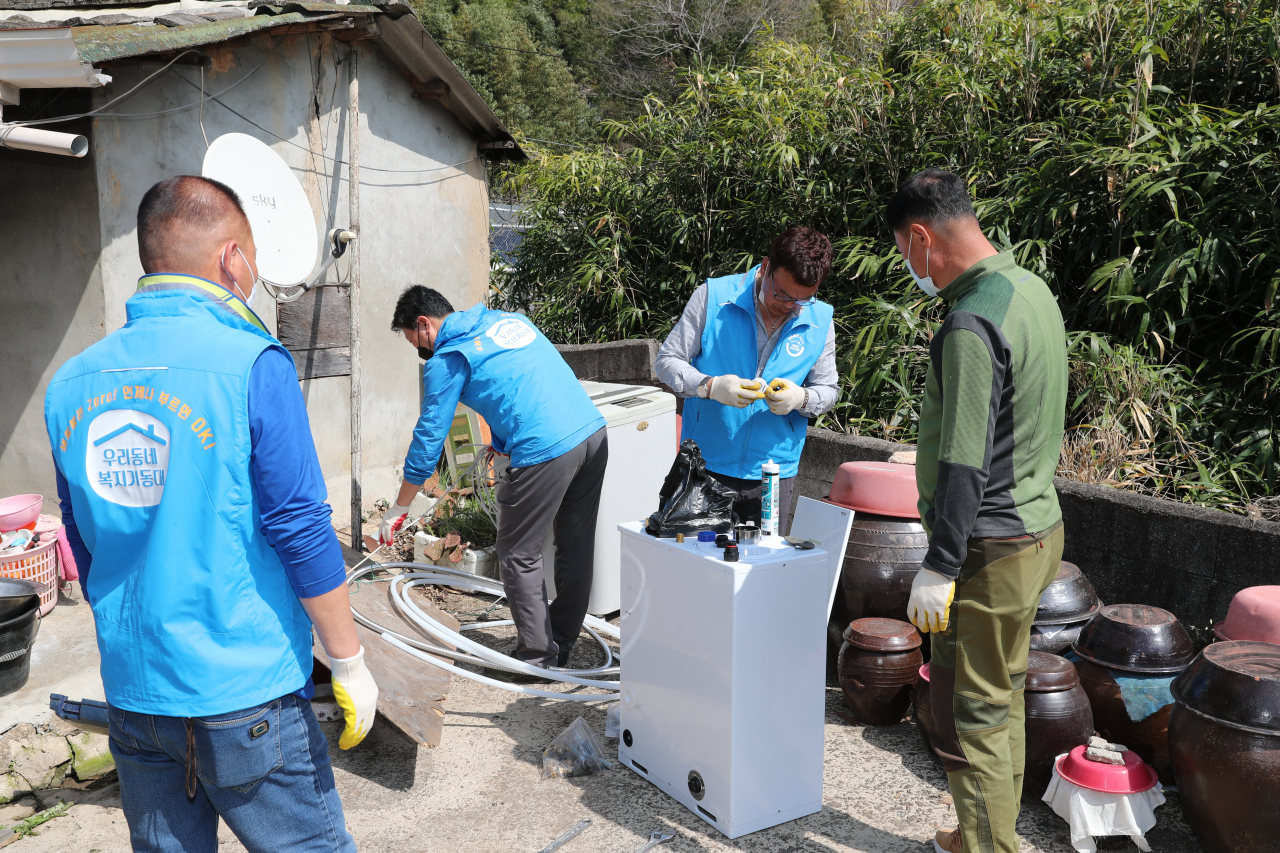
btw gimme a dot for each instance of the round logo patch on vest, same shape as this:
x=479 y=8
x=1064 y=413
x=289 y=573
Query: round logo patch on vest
x=510 y=333
x=128 y=457
x=795 y=346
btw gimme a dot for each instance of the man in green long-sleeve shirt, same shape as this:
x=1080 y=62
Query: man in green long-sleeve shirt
x=990 y=436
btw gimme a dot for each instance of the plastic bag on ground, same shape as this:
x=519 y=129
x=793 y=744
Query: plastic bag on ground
x=575 y=752
x=612 y=720
x=690 y=500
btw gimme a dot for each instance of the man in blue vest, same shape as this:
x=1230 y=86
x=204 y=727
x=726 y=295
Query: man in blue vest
x=193 y=498
x=501 y=366
x=754 y=354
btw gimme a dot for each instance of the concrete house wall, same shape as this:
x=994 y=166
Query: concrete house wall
x=424 y=219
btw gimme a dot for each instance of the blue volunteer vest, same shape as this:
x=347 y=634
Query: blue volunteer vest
x=520 y=385
x=194 y=613
x=736 y=442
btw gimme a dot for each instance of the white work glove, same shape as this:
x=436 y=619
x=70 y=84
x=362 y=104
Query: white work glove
x=929 y=608
x=730 y=390
x=784 y=396
x=356 y=694
x=391 y=522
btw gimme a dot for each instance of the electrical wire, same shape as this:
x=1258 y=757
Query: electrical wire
x=333 y=160
x=99 y=114
x=201 y=117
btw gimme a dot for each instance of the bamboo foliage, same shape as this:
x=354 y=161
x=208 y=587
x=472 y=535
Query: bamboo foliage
x=1126 y=152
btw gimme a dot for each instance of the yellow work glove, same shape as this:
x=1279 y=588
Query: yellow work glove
x=929 y=608
x=357 y=696
x=730 y=390
x=784 y=396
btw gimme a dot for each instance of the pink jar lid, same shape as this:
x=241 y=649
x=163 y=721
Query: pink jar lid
x=1134 y=777
x=1254 y=615
x=879 y=488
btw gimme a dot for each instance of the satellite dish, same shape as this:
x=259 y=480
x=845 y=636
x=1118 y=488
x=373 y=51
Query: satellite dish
x=284 y=227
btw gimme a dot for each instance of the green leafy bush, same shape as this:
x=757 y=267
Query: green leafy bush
x=1126 y=152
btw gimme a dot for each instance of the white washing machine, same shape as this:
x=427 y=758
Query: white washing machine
x=724 y=676
x=641 y=421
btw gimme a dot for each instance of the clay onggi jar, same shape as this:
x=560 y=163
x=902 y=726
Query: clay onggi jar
x=880 y=562
x=922 y=708
x=1149 y=738
x=1058 y=717
x=879 y=663
x=1224 y=741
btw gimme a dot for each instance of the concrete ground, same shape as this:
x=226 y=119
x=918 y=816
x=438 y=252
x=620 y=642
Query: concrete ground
x=64 y=660
x=480 y=791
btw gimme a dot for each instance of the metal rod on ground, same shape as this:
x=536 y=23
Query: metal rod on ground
x=353 y=197
x=559 y=842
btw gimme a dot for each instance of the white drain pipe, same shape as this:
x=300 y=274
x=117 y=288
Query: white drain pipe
x=44 y=141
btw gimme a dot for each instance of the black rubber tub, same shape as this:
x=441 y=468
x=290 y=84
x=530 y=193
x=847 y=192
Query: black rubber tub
x=17 y=636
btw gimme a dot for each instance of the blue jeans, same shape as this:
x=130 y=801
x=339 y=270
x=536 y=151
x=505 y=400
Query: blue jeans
x=264 y=770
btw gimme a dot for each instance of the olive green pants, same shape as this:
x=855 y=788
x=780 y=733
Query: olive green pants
x=977 y=674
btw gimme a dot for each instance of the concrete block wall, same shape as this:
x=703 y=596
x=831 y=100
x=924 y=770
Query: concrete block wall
x=1135 y=549
x=623 y=362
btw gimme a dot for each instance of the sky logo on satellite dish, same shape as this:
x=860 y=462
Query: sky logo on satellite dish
x=127 y=460
x=283 y=223
x=510 y=333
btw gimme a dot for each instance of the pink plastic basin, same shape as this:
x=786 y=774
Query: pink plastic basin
x=1254 y=615
x=880 y=488
x=1134 y=777
x=19 y=511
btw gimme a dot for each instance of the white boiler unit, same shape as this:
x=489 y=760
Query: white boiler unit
x=641 y=424
x=724 y=676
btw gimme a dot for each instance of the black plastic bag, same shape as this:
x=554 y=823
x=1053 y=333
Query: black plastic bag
x=690 y=499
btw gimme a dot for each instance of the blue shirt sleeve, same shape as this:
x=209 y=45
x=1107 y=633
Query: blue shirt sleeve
x=84 y=560
x=287 y=479
x=443 y=378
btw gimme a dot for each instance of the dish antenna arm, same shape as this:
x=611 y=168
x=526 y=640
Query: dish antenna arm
x=338 y=239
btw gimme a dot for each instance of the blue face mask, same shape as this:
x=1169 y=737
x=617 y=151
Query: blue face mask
x=926 y=284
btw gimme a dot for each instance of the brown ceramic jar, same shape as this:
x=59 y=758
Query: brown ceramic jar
x=1224 y=742
x=879 y=663
x=922 y=708
x=880 y=562
x=1058 y=717
x=1149 y=738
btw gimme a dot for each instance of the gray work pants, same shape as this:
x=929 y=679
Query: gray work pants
x=564 y=492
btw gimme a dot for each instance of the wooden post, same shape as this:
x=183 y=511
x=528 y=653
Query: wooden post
x=353 y=197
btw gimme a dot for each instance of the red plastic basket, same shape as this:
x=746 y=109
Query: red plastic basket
x=39 y=564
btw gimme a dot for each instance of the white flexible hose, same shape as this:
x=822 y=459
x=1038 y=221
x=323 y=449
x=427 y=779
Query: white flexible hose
x=471 y=652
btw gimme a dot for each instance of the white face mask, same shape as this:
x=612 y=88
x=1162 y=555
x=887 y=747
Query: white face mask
x=252 y=291
x=926 y=284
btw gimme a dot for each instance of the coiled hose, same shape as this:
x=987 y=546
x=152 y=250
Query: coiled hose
x=471 y=652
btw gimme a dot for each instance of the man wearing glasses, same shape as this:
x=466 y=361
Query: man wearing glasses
x=754 y=356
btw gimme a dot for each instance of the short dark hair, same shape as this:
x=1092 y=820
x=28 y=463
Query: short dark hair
x=418 y=301
x=183 y=200
x=930 y=195
x=803 y=252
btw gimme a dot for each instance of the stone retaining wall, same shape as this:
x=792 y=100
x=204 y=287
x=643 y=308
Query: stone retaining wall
x=1134 y=549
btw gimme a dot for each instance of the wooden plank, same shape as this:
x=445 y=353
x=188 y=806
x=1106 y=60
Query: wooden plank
x=411 y=693
x=319 y=319
x=317 y=363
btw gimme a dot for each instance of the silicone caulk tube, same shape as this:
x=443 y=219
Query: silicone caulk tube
x=769 y=498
